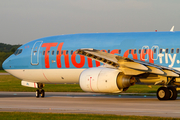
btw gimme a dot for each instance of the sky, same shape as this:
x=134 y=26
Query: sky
x=22 y=21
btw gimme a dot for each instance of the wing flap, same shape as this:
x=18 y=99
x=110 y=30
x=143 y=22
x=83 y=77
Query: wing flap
x=129 y=71
x=99 y=56
x=155 y=70
x=134 y=65
x=127 y=65
x=170 y=73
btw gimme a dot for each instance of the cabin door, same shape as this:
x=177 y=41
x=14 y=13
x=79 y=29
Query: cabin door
x=35 y=53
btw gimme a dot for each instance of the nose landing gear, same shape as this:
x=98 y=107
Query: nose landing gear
x=40 y=91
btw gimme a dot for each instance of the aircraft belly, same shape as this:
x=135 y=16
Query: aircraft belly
x=62 y=75
x=48 y=76
x=30 y=75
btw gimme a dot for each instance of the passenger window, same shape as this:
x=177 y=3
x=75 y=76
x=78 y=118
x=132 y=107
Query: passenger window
x=119 y=51
x=167 y=50
x=172 y=50
x=108 y=51
x=135 y=51
x=66 y=52
x=154 y=50
x=71 y=52
x=139 y=51
x=160 y=50
x=103 y=50
x=52 y=52
x=48 y=52
x=57 y=53
x=177 y=50
x=145 y=50
x=43 y=52
x=129 y=51
x=62 y=52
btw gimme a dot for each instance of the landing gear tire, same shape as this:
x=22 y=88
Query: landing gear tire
x=163 y=93
x=37 y=93
x=173 y=93
x=42 y=93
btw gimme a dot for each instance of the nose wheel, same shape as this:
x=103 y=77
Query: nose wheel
x=37 y=93
x=40 y=92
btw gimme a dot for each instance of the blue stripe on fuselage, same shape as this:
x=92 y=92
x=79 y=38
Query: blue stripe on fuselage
x=100 y=41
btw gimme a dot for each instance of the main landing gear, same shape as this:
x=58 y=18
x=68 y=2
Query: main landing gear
x=40 y=91
x=167 y=93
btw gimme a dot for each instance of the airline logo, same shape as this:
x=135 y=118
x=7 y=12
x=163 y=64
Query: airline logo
x=146 y=54
x=66 y=57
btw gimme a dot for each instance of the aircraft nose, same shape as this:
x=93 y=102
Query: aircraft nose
x=5 y=64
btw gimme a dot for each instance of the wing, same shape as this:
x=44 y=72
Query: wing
x=128 y=66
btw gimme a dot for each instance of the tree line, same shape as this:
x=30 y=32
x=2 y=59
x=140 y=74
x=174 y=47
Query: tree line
x=5 y=51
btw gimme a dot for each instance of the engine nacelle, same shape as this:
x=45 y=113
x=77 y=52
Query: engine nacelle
x=106 y=80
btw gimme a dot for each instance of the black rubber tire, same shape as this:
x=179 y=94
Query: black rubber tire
x=37 y=93
x=42 y=93
x=163 y=93
x=173 y=93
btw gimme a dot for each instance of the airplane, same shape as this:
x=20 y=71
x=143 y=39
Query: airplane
x=100 y=62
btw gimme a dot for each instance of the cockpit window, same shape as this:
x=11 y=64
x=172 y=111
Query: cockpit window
x=18 y=51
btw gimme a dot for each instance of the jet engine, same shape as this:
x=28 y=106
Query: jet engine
x=107 y=80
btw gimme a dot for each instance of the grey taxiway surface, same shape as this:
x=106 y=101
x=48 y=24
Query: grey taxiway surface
x=89 y=103
x=4 y=74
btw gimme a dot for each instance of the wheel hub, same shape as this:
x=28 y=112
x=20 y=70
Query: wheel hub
x=161 y=93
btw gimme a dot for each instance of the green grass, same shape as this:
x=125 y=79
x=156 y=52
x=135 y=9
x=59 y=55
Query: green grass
x=10 y=83
x=2 y=71
x=57 y=116
x=143 y=89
